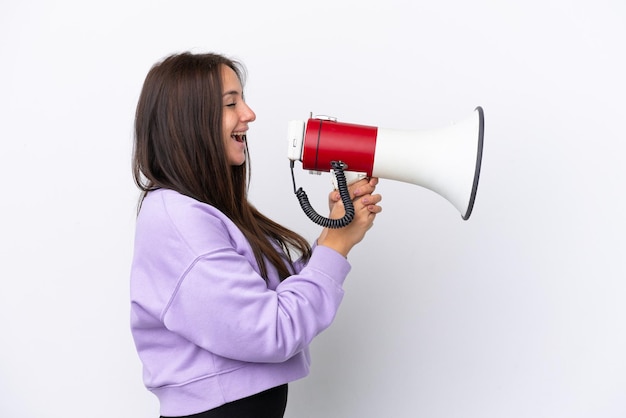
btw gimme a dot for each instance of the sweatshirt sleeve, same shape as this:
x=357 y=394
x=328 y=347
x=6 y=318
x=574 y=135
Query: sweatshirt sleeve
x=223 y=305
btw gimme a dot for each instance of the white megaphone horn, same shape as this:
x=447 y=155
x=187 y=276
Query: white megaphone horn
x=446 y=160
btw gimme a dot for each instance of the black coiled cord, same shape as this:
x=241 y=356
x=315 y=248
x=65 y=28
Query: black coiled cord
x=342 y=186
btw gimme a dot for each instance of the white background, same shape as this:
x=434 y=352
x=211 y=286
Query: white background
x=519 y=312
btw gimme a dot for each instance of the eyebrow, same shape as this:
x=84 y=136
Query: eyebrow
x=231 y=93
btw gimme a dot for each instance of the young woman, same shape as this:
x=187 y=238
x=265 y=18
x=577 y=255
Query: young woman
x=224 y=301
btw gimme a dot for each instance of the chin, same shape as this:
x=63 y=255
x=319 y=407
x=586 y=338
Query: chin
x=238 y=162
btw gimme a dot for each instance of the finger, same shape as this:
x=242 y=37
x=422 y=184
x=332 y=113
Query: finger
x=369 y=199
x=355 y=189
x=370 y=203
x=362 y=190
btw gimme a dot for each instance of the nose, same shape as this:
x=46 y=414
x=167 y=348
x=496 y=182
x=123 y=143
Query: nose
x=248 y=114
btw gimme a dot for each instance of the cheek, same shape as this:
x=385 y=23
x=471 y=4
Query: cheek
x=227 y=128
x=229 y=120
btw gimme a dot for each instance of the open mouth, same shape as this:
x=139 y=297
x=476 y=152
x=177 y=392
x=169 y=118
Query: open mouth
x=238 y=136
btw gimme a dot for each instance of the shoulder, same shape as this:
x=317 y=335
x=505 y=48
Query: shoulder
x=168 y=215
x=167 y=201
x=167 y=206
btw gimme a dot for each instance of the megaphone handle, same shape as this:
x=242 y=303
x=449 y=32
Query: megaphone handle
x=342 y=186
x=351 y=177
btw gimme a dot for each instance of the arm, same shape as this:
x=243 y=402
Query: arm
x=224 y=306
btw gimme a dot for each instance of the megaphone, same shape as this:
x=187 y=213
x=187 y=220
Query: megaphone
x=446 y=160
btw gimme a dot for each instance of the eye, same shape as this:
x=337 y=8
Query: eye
x=231 y=104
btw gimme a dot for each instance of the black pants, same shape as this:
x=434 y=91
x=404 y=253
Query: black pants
x=268 y=404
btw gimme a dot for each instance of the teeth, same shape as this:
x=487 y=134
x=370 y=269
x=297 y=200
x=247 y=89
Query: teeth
x=239 y=136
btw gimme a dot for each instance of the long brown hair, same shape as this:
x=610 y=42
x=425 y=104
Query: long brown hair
x=179 y=146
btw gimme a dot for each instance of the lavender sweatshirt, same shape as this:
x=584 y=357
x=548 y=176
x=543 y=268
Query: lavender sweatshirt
x=207 y=327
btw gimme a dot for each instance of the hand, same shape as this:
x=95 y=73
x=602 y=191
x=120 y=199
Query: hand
x=365 y=207
x=356 y=189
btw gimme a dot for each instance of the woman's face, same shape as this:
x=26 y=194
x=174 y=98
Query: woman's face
x=236 y=116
